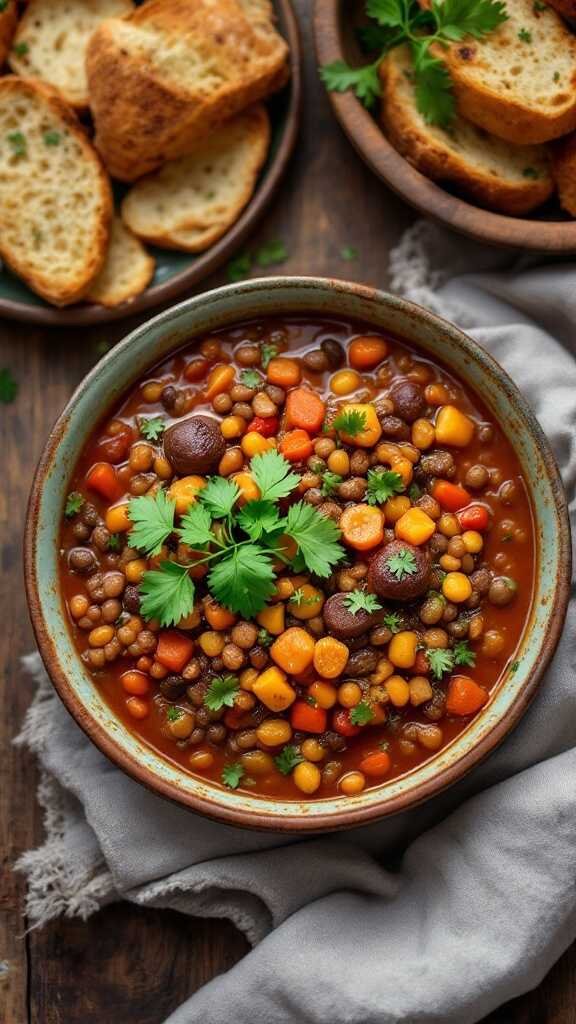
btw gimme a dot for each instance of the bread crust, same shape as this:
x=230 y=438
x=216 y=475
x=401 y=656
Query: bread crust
x=13 y=89
x=143 y=118
x=111 y=288
x=567 y=8
x=8 y=23
x=564 y=171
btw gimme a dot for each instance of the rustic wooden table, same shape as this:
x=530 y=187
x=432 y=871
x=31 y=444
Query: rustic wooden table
x=138 y=965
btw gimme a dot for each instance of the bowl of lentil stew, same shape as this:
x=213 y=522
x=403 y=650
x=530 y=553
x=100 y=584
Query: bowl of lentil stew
x=297 y=554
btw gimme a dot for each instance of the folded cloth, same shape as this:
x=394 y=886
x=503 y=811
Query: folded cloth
x=482 y=897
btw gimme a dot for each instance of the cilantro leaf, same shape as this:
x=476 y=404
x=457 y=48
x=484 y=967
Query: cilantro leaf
x=382 y=484
x=440 y=661
x=288 y=758
x=153 y=519
x=251 y=379
x=317 y=538
x=114 y=541
x=359 y=601
x=361 y=714
x=268 y=351
x=378 y=37
x=393 y=622
x=196 y=526
x=390 y=13
x=21 y=49
x=458 y=18
x=273 y=475
x=232 y=774
x=270 y=253
x=219 y=496
x=221 y=692
x=18 y=143
x=167 y=594
x=265 y=639
x=52 y=138
x=330 y=481
x=74 y=503
x=433 y=86
x=350 y=422
x=339 y=77
x=258 y=517
x=152 y=428
x=463 y=654
x=243 y=580
x=402 y=564
x=8 y=386
x=239 y=267
x=300 y=600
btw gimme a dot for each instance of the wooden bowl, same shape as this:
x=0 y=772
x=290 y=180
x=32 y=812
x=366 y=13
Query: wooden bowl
x=155 y=341
x=179 y=272
x=548 y=231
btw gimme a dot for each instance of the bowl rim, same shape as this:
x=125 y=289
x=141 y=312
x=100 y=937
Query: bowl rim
x=208 y=262
x=411 y=185
x=348 y=815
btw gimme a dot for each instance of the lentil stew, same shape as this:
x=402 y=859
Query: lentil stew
x=298 y=557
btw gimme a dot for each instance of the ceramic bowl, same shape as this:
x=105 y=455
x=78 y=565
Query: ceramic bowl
x=133 y=358
x=546 y=230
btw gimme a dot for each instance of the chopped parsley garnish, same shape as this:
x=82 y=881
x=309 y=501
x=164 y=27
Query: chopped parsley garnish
x=8 y=386
x=359 y=601
x=173 y=714
x=114 y=542
x=300 y=600
x=18 y=143
x=232 y=774
x=287 y=759
x=21 y=49
x=348 y=253
x=350 y=422
x=251 y=379
x=74 y=503
x=414 y=492
x=382 y=484
x=152 y=428
x=265 y=639
x=402 y=564
x=239 y=267
x=525 y=36
x=440 y=661
x=330 y=482
x=556 y=76
x=52 y=138
x=393 y=622
x=221 y=692
x=404 y=21
x=271 y=253
x=268 y=351
x=530 y=172
x=463 y=654
x=361 y=714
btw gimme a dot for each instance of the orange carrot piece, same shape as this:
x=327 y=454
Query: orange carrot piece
x=362 y=527
x=365 y=353
x=376 y=765
x=305 y=718
x=449 y=496
x=465 y=696
x=305 y=409
x=296 y=446
x=284 y=373
x=102 y=479
x=174 y=649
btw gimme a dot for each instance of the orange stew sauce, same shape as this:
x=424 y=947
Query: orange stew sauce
x=457 y=468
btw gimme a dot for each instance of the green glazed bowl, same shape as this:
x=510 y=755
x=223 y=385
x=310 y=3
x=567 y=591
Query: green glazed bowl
x=130 y=360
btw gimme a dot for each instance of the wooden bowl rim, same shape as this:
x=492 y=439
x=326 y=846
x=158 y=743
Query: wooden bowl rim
x=415 y=188
x=216 y=255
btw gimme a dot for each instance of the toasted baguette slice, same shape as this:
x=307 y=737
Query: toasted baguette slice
x=191 y=202
x=54 y=34
x=511 y=179
x=164 y=78
x=564 y=171
x=55 y=196
x=8 y=23
x=520 y=81
x=127 y=271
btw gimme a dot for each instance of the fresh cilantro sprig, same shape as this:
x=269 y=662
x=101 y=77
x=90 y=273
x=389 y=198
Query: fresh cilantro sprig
x=359 y=601
x=221 y=692
x=403 y=21
x=153 y=521
x=463 y=654
x=402 y=564
x=350 y=422
x=330 y=483
x=251 y=379
x=74 y=503
x=232 y=774
x=440 y=661
x=268 y=351
x=166 y=593
x=287 y=759
x=393 y=622
x=382 y=484
x=361 y=714
x=274 y=475
x=152 y=428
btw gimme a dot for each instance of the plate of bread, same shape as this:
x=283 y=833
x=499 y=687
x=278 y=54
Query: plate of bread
x=139 y=145
x=466 y=108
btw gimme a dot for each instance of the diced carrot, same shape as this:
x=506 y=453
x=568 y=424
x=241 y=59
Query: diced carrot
x=330 y=657
x=362 y=527
x=376 y=765
x=306 y=718
x=220 y=380
x=305 y=409
x=293 y=651
x=174 y=649
x=284 y=373
x=296 y=446
x=217 y=616
x=475 y=517
x=365 y=353
x=450 y=497
x=465 y=696
x=341 y=723
x=102 y=479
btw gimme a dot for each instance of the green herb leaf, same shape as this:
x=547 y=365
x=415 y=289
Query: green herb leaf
x=389 y=13
x=232 y=775
x=361 y=714
x=432 y=86
x=271 y=253
x=414 y=492
x=440 y=661
x=339 y=77
x=239 y=267
x=330 y=482
x=317 y=538
x=219 y=496
x=525 y=36
x=18 y=143
x=463 y=654
x=114 y=542
x=173 y=714
x=8 y=386
x=288 y=758
x=393 y=622
x=52 y=138
x=351 y=422
x=258 y=517
x=360 y=601
x=402 y=564
x=20 y=49
x=251 y=379
x=221 y=692
x=348 y=253
x=167 y=594
x=243 y=580
x=265 y=639
x=300 y=600
x=273 y=475
x=514 y=667
x=458 y=18
x=382 y=484
x=268 y=351
x=153 y=519
x=74 y=503
x=152 y=428
x=196 y=526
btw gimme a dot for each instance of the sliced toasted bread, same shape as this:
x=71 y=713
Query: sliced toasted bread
x=191 y=202
x=50 y=43
x=511 y=179
x=564 y=170
x=165 y=77
x=520 y=81
x=127 y=271
x=567 y=8
x=55 y=196
x=8 y=23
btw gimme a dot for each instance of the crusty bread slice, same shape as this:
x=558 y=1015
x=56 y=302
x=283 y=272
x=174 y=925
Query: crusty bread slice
x=191 y=202
x=55 y=196
x=51 y=42
x=127 y=271
x=8 y=23
x=511 y=179
x=520 y=81
x=564 y=171
x=165 y=77
x=567 y=8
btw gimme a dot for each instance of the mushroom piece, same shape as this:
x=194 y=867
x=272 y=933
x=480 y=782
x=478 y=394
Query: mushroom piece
x=385 y=575
x=194 y=445
x=342 y=622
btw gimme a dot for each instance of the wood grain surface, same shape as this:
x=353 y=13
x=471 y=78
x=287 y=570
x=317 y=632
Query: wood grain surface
x=127 y=964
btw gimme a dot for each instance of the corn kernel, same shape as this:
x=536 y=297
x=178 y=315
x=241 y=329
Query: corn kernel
x=456 y=587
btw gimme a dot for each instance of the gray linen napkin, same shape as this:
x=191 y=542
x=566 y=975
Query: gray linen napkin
x=484 y=899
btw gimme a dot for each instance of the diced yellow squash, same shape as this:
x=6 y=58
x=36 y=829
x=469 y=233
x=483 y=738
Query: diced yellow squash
x=372 y=431
x=415 y=527
x=273 y=689
x=272 y=619
x=183 y=492
x=453 y=427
